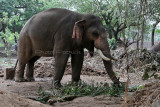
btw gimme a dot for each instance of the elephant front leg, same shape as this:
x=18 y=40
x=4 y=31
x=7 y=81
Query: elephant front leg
x=77 y=62
x=60 y=64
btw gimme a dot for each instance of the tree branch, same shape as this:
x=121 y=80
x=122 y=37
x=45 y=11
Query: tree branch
x=19 y=7
x=123 y=27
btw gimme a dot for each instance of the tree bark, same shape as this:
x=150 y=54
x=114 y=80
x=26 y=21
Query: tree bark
x=14 y=30
x=143 y=24
x=153 y=32
x=138 y=27
x=3 y=38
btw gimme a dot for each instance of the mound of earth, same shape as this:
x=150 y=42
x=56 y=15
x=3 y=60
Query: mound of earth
x=9 y=99
x=148 y=96
x=136 y=61
x=45 y=67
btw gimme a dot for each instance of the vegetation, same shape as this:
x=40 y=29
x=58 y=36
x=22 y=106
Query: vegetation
x=112 y=43
x=70 y=91
x=125 y=20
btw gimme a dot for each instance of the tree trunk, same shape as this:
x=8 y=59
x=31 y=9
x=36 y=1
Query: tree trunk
x=143 y=24
x=153 y=31
x=142 y=32
x=138 y=27
x=152 y=39
x=14 y=30
x=116 y=36
x=3 y=38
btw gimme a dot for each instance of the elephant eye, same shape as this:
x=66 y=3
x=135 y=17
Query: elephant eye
x=95 y=34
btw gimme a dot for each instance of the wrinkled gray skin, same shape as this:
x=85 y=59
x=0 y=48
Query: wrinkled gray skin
x=156 y=49
x=51 y=33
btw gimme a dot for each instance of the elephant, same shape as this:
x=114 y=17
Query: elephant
x=61 y=33
x=156 y=49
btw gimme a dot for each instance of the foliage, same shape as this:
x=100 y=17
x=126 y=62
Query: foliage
x=157 y=30
x=8 y=35
x=14 y=14
x=78 y=90
x=17 y=12
x=112 y=43
x=153 y=10
x=136 y=88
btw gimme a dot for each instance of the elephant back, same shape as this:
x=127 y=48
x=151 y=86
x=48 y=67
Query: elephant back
x=156 y=47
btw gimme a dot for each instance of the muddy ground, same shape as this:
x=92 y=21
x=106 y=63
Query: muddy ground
x=93 y=71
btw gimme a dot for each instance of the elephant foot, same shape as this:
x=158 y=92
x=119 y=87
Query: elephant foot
x=20 y=80
x=30 y=79
x=76 y=83
x=57 y=84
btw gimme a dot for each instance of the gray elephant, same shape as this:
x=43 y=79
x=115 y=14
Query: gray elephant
x=156 y=49
x=60 y=33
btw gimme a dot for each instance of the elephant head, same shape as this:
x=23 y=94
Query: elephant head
x=91 y=32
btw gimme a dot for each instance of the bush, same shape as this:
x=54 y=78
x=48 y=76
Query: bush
x=112 y=43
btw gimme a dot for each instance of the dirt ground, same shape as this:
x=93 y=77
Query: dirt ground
x=9 y=99
x=93 y=71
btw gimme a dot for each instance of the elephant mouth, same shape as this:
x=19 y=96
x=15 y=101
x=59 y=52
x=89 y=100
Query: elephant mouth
x=104 y=57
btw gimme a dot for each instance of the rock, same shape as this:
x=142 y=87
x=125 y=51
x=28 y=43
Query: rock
x=51 y=101
x=9 y=73
x=13 y=54
x=1 y=75
x=3 y=54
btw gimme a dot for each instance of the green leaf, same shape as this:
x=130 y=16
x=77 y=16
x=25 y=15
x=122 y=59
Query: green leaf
x=145 y=76
x=157 y=30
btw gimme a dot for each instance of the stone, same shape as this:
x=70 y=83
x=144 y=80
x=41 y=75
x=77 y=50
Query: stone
x=9 y=73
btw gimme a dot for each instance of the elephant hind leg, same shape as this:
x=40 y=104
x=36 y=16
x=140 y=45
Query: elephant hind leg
x=24 y=56
x=30 y=69
x=19 y=75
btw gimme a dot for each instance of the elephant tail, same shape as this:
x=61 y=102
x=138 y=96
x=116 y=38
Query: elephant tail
x=16 y=65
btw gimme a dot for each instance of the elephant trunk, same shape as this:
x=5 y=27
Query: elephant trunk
x=104 y=51
x=108 y=67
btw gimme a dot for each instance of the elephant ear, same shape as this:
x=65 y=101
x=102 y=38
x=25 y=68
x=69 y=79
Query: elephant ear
x=78 y=29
